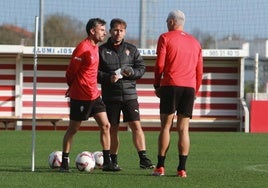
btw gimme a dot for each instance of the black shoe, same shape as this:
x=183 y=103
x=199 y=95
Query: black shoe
x=117 y=166
x=146 y=163
x=111 y=167
x=64 y=169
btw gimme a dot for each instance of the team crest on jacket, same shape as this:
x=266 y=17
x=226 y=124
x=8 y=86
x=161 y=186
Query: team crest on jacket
x=127 y=52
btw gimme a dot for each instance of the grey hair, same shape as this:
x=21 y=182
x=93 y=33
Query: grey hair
x=178 y=17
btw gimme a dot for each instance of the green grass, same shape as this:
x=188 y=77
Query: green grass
x=215 y=160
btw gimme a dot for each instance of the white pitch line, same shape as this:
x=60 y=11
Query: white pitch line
x=258 y=167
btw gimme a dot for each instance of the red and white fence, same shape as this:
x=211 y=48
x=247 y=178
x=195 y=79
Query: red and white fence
x=217 y=106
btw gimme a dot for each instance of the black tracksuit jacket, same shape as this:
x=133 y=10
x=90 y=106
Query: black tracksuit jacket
x=112 y=59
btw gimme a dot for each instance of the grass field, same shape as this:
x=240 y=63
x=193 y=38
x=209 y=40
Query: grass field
x=216 y=160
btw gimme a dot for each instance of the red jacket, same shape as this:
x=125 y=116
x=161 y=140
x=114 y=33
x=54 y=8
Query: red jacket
x=179 y=60
x=81 y=74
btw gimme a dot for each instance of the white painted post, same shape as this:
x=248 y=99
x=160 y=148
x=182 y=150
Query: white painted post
x=34 y=92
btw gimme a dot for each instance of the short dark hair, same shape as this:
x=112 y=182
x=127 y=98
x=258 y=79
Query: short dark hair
x=93 y=22
x=117 y=21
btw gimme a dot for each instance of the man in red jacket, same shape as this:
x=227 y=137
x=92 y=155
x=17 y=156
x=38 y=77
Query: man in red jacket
x=178 y=76
x=84 y=95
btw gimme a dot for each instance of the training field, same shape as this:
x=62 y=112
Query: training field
x=216 y=160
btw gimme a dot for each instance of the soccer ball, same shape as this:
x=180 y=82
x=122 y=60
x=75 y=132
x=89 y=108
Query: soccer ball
x=54 y=159
x=85 y=161
x=98 y=156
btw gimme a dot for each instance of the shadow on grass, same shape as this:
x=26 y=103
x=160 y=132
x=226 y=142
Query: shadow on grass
x=25 y=169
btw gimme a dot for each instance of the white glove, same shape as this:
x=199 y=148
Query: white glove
x=118 y=73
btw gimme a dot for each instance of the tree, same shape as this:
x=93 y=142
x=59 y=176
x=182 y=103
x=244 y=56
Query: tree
x=206 y=40
x=62 y=30
x=14 y=35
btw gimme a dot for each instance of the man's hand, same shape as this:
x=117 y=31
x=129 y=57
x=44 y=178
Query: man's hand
x=127 y=71
x=157 y=92
x=114 y=78
x=67 y=92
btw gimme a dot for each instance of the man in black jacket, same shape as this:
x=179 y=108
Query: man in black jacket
x=120 y=66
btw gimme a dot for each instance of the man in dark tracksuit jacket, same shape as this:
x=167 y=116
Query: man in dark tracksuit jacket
x=120 y=66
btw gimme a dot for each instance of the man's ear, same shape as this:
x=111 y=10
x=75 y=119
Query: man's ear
x=171 y=21
x=92 y=31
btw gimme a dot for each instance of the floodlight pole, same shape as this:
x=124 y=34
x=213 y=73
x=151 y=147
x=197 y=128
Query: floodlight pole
x=41 y=15
x=34 y=92
x=256 y=85
x=143 y=35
